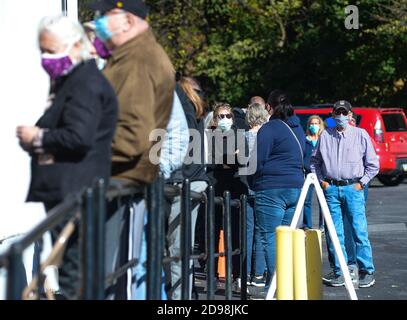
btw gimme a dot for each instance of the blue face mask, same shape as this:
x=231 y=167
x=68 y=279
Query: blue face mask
x=102 y=29
x=342 y=121
x=314 y=128
x=225 y=124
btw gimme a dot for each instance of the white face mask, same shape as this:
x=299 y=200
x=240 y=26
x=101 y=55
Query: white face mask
x=225 y=124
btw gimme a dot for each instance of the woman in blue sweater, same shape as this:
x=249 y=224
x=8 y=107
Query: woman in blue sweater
x=279 y=176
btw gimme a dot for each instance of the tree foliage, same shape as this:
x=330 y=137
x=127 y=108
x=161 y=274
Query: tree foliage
x=240 y=48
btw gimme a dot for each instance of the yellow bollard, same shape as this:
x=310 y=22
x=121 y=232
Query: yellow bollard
x=299 y=263
x=314 y=264
x=284 y=263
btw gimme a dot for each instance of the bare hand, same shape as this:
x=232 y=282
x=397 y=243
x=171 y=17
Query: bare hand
x=26 y=134
x=324 y=185
x=358 y=186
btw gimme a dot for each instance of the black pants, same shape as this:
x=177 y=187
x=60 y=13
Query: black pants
x=68 y=273
x=226 y=180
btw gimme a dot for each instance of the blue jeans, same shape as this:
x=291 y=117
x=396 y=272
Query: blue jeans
x=255 y=250
x=274 y=207
x=345 y=202
x=307 y=221
x=350 y=245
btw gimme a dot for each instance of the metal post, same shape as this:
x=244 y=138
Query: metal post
x=88 y=245
x=100 y=242
x=15 y=272
x=243 y=246
x=160 y=235
x=64 y=7
x=185 y=237
x=227 y=230
x=151 y=240
x=210 y=243
x=37 y=261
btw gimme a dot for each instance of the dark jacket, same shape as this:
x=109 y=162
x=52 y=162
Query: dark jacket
x=240 y=119
x=143 y=79
x=309 y=149
x=225 y=159
x=279 y=157
x=80 y=125
x=194 y=171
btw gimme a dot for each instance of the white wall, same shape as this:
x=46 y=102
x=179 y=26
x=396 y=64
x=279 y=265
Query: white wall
x=73 y=9
x=23 y=92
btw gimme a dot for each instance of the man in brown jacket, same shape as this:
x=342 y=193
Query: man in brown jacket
x=144 y=80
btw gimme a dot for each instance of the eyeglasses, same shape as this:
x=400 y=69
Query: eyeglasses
x=341 y=111
x=223 y=116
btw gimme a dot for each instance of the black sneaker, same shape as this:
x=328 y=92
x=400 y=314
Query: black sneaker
x=58 y=295
x=337 y=281
x=366 y=280
x=328 y=277
x=249 y=280
x=258 y=281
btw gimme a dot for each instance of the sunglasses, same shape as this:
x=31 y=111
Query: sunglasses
x=223 y=116
x=341 y=111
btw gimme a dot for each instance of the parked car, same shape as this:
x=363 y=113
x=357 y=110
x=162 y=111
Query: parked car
x=388 y=129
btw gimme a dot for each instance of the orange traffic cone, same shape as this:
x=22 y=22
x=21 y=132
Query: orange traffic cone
x=221 y=260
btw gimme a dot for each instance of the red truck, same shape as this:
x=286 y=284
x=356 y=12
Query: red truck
x=388 y=129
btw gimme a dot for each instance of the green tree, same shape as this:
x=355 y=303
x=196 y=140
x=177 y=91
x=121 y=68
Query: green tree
x=240 y=48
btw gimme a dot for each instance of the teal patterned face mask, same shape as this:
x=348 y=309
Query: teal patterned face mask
x=314 y=128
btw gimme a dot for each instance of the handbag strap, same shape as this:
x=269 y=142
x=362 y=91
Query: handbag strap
x=298 y=142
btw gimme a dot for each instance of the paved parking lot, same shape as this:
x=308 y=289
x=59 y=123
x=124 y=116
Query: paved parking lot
x=387 y=222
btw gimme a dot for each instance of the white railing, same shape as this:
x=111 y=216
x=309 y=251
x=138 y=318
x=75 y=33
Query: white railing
x=312 y=179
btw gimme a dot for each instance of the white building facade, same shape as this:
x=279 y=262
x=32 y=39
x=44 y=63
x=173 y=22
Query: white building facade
x=24 y=89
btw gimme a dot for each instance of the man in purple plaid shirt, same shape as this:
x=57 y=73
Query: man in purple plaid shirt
x=344 y=162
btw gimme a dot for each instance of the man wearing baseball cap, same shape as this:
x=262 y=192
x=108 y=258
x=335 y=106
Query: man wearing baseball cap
x=344 y=162
x=144 y=81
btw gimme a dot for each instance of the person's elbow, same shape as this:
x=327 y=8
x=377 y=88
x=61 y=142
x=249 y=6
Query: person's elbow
x=81 y=145
x=69 y=142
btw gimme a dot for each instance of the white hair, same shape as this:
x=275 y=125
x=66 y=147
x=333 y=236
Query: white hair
x=68 y=31
x=256 y=115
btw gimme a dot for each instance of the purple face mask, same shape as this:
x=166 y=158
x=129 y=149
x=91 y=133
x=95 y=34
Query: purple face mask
x=101 y=49
x=56 y=65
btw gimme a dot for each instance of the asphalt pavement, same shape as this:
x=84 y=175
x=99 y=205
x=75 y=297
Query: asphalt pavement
x=386 y=212
x=387 y=224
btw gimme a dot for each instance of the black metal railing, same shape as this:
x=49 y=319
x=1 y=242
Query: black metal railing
x=89 y=209
x=12 y=259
